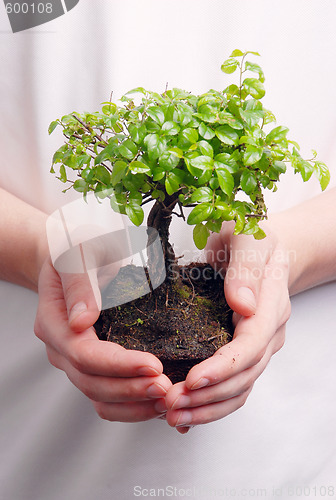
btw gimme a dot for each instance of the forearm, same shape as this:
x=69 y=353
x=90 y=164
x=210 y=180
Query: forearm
x=308 y=232
x=23 y=242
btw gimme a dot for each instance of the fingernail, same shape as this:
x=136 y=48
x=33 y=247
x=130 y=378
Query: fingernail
x=246 y=295
x=160 y=406
x=184 y=418
x=202 y=382
x=147 y=371
x=181 y=402
x=156 y=391
x=77 y=310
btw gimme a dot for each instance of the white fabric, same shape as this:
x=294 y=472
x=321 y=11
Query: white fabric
x=52 y=444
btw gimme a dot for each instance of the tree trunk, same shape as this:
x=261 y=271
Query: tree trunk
x=160 y=218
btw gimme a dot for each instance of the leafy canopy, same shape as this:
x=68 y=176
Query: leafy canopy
x=206 y=149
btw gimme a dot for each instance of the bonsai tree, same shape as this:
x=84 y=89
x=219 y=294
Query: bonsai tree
x=213 y=153
x=183 y=150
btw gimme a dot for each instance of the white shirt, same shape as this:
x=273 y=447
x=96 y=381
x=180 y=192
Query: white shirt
x=52 y=444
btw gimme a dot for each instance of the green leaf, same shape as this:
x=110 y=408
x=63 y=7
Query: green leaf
x=254 y=53
x=137 y=167
x=279 y=166
x=206 y=148
x=172 y=183
x=158 y=173
x=214 y=225
x=157 y=193
x=254 y=87
x=306 y=170
x=232 y=91
x=109 y=108
x=71 y=160
x=135 y=213
x=170 y=128
x=80 y=186
x=135 y=197
x=59 y=154
x=155 y=146
x=137 y=90
x=259 y=235
x=118 y=202
x=256 y=69
x=277 y=134
x=102 y=175
x=207 y=113
x=176 y=152
x=229 y=66
x=252 y=227
x=190 y=134
x=226 y=181
x=202 y=162
x=137 y=132
x=322 y=173
x=168 y=161
x=202 y=194
x=224 y=212
x=227 y=135
x=252 y=154
x=118 y=171
x=206 y=132
x=63 y=175
x=156 y=113
x=229 y=119
x=240 y=221
x=200 y=235
x=200 y=213
x=52 y=126
x=88 y=174
x=251 y=117
x=269 y=117
x=237 y=53
x=248 y=181
x=128 y=149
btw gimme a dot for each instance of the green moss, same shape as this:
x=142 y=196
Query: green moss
x=203 y=302
x=182 y=291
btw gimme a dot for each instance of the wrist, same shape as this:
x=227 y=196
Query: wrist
x=40 y=250
x=307 y=233
x=298 y=260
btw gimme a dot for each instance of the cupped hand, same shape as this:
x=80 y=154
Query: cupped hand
x=256 y=288
x=123 y=385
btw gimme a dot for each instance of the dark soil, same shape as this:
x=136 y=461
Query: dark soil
x=182 y=322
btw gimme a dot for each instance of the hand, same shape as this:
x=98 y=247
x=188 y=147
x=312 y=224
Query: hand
x=256 y=288
x=123 y=385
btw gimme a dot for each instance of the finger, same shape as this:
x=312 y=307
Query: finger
x=82 y=298
x=251 y=338
x=206 y=414
x=126 y=412
x=86 y=352
x=245 y=272
x=218 y=247
x=179 y=396
x=110 y=389
x=95 y=357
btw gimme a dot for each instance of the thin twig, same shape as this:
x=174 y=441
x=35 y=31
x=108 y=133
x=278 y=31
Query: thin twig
x=85 y=125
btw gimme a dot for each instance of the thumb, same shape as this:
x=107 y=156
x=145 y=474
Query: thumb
x=82 y=298
x=245 y=273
